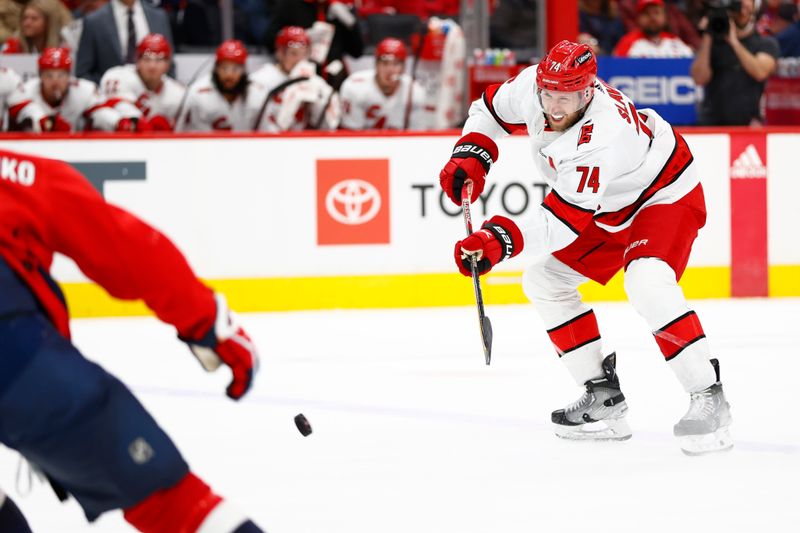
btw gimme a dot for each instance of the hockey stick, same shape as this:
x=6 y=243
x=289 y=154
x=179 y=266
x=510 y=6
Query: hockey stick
x=201 y=69
x=422 y=33
x=483 y=320
x=272 y=94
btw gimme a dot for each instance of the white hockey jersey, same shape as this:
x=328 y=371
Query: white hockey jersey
x=125 y=89
x=82 y=107
x=297 y=105
x=613 y=162
x=364 y=106
x=205 y=109
x=10 y=81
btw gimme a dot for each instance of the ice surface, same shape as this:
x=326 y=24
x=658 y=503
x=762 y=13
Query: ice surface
x=413 y=433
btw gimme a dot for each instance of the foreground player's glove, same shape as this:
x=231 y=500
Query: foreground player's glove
x=498 y=239
x=472 y=158
x=226 y=342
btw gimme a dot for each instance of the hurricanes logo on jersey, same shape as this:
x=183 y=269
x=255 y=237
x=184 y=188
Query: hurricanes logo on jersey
x=586 y=133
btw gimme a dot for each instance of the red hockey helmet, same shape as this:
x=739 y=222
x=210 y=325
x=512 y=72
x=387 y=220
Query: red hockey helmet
x=293 y=36
x=154 y=45
x=391 y=48
x=55 y=58
x=567 y=67
x=232 y=50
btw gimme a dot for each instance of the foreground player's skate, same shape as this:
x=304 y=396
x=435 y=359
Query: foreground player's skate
x=705 y=428
x=600 y=413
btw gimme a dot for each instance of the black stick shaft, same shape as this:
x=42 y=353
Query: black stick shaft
x=483 y=320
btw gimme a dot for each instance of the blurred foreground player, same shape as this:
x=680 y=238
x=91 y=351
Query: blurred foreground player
x=625 y=194
x=80 y=425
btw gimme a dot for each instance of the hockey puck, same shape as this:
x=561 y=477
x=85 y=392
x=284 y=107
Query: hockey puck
x=303 y=425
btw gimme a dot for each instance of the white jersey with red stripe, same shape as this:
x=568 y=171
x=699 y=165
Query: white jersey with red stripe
x=609 y=165
x=123 y=86
x=365 y=106
x=205 y=109
x=10 y=81
x=637 y=44
x=82 y=107
x=298 y=105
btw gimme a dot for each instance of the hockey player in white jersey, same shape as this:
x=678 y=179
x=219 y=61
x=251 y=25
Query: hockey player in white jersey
x=143 y=92
x=625 y=194
x=384 y=98
x=57 y=102
x=298 y=99
x=10 y=82
x=226 y=99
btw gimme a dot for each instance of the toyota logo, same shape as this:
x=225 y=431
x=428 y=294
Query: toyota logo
x=353 y=202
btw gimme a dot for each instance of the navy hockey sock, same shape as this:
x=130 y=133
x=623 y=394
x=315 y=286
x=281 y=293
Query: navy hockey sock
x=12 y=521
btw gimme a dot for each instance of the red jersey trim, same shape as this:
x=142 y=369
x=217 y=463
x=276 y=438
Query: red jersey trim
x=574 y=217
x=678 y=161
x=488 y=96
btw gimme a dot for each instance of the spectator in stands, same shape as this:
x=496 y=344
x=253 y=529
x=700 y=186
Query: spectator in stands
x=734 y=68
x=600 y=18
x=55 y=101
x=424 y=9
x=678 y=22
x=785 y=27
x=384 y=98
x=39 y=27
x=298 y=99
x=651 y=39
x=110 y=35
x=9 y=18
x=71 y=33
x=320 y=18
x=513 y=24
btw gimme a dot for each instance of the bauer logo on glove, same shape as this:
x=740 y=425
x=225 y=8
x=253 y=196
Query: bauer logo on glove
x=498 y=239
x=473 y=156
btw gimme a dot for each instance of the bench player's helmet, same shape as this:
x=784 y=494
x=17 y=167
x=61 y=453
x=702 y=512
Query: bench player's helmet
x=154 y=45
x=232 y=50
x=55 y=58
x=292 y=36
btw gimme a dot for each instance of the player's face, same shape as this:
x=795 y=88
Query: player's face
x=229 y=73
x=387 y=74
x=289 y=56
x=563 y=109
x=33 y=22
x=55 y=83
x=151 y=69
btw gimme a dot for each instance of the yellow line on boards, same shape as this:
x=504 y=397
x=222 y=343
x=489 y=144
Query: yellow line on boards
x=404 y=290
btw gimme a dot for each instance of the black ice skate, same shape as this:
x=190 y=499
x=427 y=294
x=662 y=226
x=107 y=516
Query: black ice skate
x=705 y=428
x=600 y=413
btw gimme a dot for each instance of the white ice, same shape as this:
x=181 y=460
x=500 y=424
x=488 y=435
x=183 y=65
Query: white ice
x=414 y=434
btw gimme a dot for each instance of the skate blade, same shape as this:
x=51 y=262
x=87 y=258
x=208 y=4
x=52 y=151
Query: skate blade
x=719 y=441
x=609 y=429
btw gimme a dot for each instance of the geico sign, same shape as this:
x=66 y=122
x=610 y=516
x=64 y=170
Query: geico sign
x=655 y=90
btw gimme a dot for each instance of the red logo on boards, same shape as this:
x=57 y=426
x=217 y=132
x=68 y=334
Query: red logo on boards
x=353 y=201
